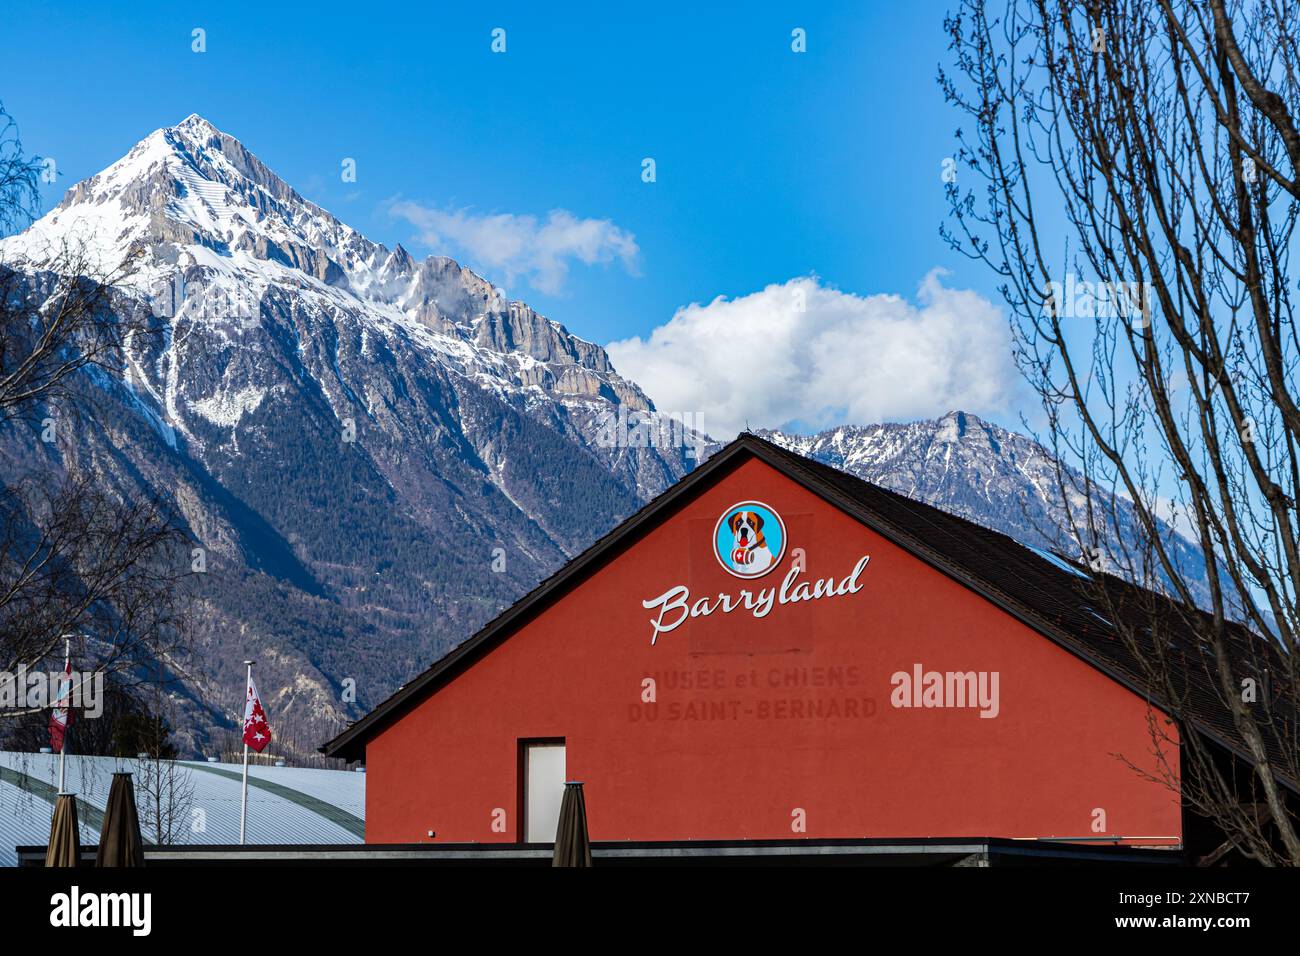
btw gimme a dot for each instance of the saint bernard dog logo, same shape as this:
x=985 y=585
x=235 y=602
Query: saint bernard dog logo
x=749 y=539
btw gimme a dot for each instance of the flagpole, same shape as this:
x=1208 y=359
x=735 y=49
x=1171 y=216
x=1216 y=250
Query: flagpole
x=243 y=803
x=67 y=711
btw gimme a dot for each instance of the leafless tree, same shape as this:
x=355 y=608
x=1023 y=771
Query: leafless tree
x=19 y=175
x=60 y=317
x=1131 y=171
x=164 y=790
x=76 y=560
x=76 y=556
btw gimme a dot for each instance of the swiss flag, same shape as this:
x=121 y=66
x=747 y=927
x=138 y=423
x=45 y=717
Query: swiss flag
x=61 y=715
x=257 y=732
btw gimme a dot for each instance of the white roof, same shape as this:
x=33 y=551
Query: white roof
x=285 y=804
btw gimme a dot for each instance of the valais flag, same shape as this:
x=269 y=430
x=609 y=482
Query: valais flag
x=257 y=732
x=61 y=715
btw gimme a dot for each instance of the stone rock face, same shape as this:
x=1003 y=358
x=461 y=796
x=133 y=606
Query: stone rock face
x=986 y=474
x=377 y=453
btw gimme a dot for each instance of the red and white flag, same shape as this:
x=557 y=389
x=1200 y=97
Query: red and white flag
x=61 y=715
x=257 y=732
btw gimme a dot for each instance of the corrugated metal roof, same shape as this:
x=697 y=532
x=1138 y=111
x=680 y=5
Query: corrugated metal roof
x=285 y=804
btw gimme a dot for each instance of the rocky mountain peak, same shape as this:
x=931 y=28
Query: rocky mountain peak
x=196 y=125
x=375 y=453
x=985 y=473
x=190 y=205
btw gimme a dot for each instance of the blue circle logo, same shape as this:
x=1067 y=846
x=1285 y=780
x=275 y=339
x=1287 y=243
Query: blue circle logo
x=749 y=539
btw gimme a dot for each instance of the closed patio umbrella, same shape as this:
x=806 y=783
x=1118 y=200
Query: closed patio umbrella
x=64 y=848
x=119 y=837
x=572 y=845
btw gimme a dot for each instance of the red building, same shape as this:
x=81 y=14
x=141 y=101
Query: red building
x=773 y=650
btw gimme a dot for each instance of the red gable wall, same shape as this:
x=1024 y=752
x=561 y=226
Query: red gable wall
x=794 y=712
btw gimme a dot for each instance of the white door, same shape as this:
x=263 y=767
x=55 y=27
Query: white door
x=543 y=791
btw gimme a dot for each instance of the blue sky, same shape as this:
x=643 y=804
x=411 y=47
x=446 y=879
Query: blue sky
x=770 y=165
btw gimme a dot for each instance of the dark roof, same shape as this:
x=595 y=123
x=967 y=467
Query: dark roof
x=1055 y=597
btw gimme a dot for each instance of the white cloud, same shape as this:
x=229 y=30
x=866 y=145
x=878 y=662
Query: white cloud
x=804 y=353
x=522 y=246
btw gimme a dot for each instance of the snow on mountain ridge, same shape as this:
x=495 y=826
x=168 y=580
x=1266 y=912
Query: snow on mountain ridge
x=375 y=454
x=987 y=474
x=191 y=197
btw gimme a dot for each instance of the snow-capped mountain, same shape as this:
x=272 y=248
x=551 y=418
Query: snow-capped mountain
x=215 y=240
x=376 y=453
x=997 y=478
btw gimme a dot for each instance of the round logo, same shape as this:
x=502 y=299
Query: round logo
x=749 y=539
